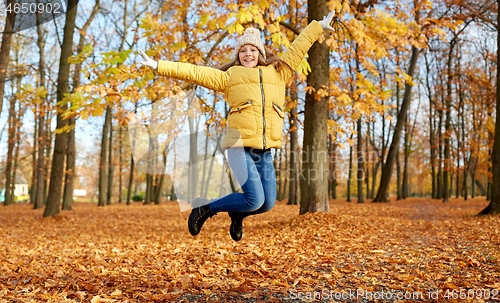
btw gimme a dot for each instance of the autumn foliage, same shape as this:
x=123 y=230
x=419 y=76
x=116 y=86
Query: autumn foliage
x=145 y=254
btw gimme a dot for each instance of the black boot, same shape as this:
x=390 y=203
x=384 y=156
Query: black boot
x=198 y=216
x=236 y=229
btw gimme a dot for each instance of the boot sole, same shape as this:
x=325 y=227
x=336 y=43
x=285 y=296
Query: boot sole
x=191 y=231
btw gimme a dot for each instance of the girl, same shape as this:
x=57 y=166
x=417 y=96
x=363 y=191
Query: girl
x=254 y=85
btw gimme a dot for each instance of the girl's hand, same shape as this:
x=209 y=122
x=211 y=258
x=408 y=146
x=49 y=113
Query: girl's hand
x=325 y=23
x=148 y=61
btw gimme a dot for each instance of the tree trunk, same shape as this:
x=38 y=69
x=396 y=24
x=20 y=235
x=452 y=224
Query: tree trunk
x=466 y=163
x=5 y=50
x=376 y=159
x=131 y=174
x=32 y=191
x=155 y=180
x=16 y=153
x=439 y=177
x=388 y=167
x=147 y=198
x=206 y=185
x=277 y=168
x=349 y=178
x=450 y=188
x=159 y=189
x=285 y=171
x=481 y=188
x=110 y=162
x=280 y=177
x=490 y=173
x=10 y=151
x=294 y=191
x=103 y=167
x=457 y=186
x=69 y=184
x=130 y=180
x=204 y=170
x=173 y=195
x=57 y=171
x=361 y=166
x=369 y=163
x=447 y=134
x=154 y=188
x=48 y=150
x=314 y=189
x=120 y=152
x=374 y=178
x=406 y=152
x=460 y=142
x=432 y=130
x=193 y=160
x=399 y=189
x=473 y=181
x=333 y=169
x=399 y=192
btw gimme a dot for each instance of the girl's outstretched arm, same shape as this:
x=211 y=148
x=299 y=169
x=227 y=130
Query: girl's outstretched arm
x=298 y=49
x=200 y=75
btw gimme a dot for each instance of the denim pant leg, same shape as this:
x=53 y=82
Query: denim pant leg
x=244 y=168
x=265 y=167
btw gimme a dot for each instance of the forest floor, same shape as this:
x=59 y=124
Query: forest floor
x=419 y=249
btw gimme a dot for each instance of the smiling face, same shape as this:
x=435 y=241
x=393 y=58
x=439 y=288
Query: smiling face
x=249 y=56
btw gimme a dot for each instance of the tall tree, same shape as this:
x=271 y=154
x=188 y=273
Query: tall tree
x=393 y=150
x=132 y=163
x=32 y=190
x=71 y=152
x=103 y=166
x=294 y=184
x=294 y=190
x=5 y=50
x=38 y=195
x=360 y=156
x=110 y=163
x=9 y=191
x=349 y=178
x=432 y=141
x=60 y=145
x=494 y=206
x=314 y=192
x=120 y=162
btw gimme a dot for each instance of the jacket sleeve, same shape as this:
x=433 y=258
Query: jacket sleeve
x=298 y=49
x=201 y=75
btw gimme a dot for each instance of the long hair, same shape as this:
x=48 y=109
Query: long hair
x=271 y=59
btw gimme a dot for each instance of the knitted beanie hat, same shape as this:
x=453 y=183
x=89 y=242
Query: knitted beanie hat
x=251 y=36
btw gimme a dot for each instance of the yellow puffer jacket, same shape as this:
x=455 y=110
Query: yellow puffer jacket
x=256 y=96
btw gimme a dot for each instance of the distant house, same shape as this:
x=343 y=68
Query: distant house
x=20 y=186
x=79 y=193
x=20 y=190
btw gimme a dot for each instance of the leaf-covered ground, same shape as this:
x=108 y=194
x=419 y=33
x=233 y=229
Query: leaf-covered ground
x=143 y=253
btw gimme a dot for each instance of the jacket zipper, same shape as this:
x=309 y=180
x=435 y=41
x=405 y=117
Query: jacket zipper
x=263 y=109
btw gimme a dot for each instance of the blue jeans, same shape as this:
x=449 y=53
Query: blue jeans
x=254 y=170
